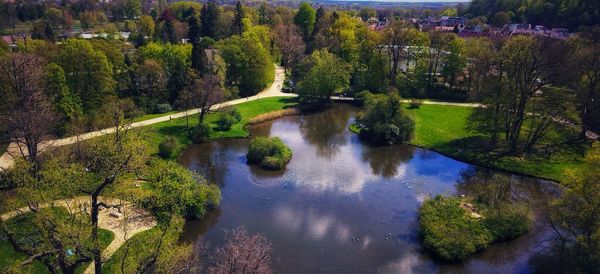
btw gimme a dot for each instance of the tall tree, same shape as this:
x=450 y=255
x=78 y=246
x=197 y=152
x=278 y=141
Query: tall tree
x=585 y=72
x=305 y=20
x=324 y=74
x=26 y=110
x=238 y=17
x=88 y=72
x=210 y=17
x=67 y=103
x=204 y=93
x=396 y=37
x=289 y=41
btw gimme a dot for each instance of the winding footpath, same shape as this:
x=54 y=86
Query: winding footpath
x=8 y=158
x=131 y=221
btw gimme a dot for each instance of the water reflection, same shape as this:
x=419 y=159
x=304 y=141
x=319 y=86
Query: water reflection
x=342 y=207
x=326 y=132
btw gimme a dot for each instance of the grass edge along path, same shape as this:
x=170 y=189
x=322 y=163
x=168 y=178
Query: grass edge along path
x=156 y=133
x=442 y=128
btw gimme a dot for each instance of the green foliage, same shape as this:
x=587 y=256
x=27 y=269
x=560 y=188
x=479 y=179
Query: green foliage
x=66 y=102
x=415 y=103
x=201 y=133
x=163 y=108
x=384 y=123
x=448 y=231
x=323 y=75
x=167 y=147
x=249 y=64
x=270 y=153
x=177 y=191
x=305 y=19
x=508 y=222
x=227 y=119
x=88 y=72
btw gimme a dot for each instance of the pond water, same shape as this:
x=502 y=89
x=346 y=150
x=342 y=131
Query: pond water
x=344 y=207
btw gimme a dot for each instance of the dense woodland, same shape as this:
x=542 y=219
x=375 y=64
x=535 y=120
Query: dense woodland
x=189 y=55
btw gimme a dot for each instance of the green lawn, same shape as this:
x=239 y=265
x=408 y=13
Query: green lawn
x=443 y=129
x=8 y=255
x=152 y=116
x=139 y=248
x=178 y=129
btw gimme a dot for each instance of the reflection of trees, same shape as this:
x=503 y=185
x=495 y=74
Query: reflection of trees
x=384 y=161
x=492 y=187
x=326 y=130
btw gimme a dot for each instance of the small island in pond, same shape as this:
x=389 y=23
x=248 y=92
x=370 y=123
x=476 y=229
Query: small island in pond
x=269 y=153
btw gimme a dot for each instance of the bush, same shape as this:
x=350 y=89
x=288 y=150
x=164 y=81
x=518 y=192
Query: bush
x=508 y=222
x=167 y=147
x=163 y=108
x=227 y=119
x=384 y=122
x=452 y=234
x=270 y=153
x=415 y=103
x=449 y=232
x=200 y=133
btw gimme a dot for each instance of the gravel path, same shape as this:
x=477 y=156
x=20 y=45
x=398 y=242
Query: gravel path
x=133 y=220
x=7 y=159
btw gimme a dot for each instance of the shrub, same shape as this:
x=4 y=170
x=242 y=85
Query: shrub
x=200 y=133
x=227 y=119
x=163 y=108
x=452 y=234
x=384 y=122
x=448 y=231
x=270 y=153
x=167 y=147
x=508 y=222
x=415 y=103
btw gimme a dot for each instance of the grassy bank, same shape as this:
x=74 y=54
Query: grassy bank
x=443 y=129
x=8 y=256
x=177 y=128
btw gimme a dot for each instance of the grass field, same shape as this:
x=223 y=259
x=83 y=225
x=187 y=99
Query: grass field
x=139 y=248
x=443 y=129
x=178 y=127
x=8 y=255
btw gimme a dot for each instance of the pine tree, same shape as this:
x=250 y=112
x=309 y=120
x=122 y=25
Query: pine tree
x=238 y=25
x=209 y=18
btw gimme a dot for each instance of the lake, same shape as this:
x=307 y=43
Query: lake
x=344 y=207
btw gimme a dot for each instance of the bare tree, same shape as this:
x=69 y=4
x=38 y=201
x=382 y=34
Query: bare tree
x=204 y=93
x=25 y=109
x=396 y=37
x=242 y=254
x=289 y=41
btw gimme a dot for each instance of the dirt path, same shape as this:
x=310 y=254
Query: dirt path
x=133 y=220
x=7 y=159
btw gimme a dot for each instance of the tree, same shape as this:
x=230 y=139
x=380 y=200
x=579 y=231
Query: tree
x=454 y=62
x=575 y=221
x=67 y=103
x=88 y=72
x=27 y=112
x=367 y=13
x=324 y=75
x=383 y=122
x=209 y=19
x=249 y=65
x=204 y=93
x=500 y=19
x=585 y=65
x=239 y=15
x=150 y=82
x=289 y=41
x=396 y=37
x=305 y=20
x=242 y=253
x=523 y=102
